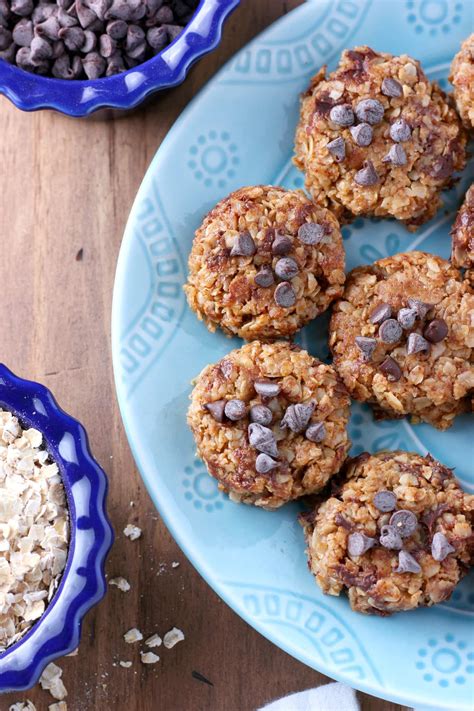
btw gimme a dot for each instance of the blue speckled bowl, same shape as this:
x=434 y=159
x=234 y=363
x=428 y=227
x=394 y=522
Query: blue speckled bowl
x=122 y=91
x=83 y=583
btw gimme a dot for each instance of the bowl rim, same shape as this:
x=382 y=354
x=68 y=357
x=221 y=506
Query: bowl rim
x=83 y=583
x=81 y=97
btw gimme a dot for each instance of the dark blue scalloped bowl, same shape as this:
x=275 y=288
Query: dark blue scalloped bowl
x=83 y=582
x=202 y=34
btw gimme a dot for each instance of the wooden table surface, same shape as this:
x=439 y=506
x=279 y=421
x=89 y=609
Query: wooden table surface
x=66 y=189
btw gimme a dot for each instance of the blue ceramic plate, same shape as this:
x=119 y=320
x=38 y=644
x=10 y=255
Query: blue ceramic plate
x=239 y=131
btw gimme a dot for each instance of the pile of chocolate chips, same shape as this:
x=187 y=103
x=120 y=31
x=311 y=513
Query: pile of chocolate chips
x=309 y=233
x=88 y=39
x=261 y=437
x=391 y=330
x=368 y=113
x=401 y=525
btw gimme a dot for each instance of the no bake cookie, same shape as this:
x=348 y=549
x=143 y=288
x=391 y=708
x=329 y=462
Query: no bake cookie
x=462 y=78
x=402 y=338
x=264 y=262
x=376 y=137
x=270 y=423
x=397 y=535
x=462 y=234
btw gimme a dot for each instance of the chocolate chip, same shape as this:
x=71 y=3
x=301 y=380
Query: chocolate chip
x=243 y=246
x=235 y=409
x=23 y=33
x=281 y=244
x=342 y=115
x=391 y=369
x=406 y=318
x=337 y=148
x=440 y=546
x=436 y=330
x=420 y=307
x=262 y=439
x=117 y=29
x=99 y=7
x=65 y=19
x=264 y=277
x=22 y=7
x=267 y=388
x=157 y=38
x=90 y=42
x=391 y=87
x=264 y=463
x=390 y=331
x=49 y=28
x=94 y=65
x=442 y=167
x=286 y=268
x=390 y=538
x=359 y=543
x=417 y=344
x=400 y=131
x=316 y=432
x=362 y=134
x=405 y=522
x=261 y=414
x=367 y=176
x=135 y=37
x=385 y=501
x=407 y=564
x=285 y=295
x=311 y=233
x=216 y=409
x=85 y=16
x=381 y=313
x=297 y=416
x=366 y=346
x=369 y=110
x=73 y=37
x=396 y=156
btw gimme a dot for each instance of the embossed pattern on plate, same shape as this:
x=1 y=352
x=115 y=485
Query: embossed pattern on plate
x=254 y=559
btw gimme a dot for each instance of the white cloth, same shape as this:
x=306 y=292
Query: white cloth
x=331 y=697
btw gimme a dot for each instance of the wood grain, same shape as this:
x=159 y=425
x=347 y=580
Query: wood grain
x=67 y=185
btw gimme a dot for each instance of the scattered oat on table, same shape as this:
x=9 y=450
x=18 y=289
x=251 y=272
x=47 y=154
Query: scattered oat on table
x=133 y=636
x=172 y=637
x=132 y=532
x=125 y=665
x=153 y=641
x=23 y=706
x=34 y=528
x=120 y=583
x=61 y=706
x=51 y=681
x=149 y=658
x=175 y=564
x=74 y=653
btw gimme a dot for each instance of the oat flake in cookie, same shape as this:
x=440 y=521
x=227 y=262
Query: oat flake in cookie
x=462 y=77
x=34 y=529
x=462 y=234
x=399 y=144
x=425 y=368
x=389 y=561
x=298 y=450
x=264 y=262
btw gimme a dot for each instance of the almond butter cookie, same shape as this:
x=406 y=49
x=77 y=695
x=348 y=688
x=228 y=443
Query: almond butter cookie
x=462 y=234
x=462 y=78
x=396 y=535
x=376 y=137
x=265 y=262
x=270 y=423
x=402 y=338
